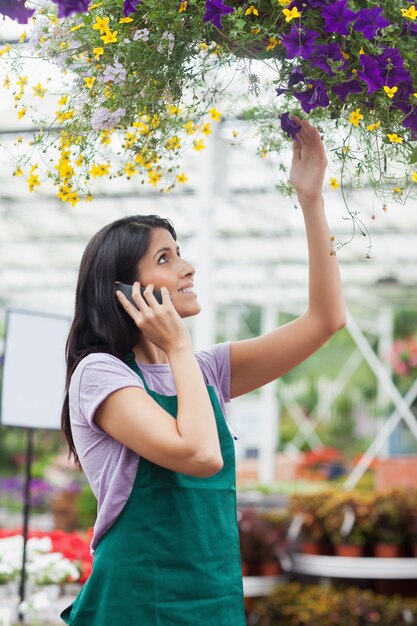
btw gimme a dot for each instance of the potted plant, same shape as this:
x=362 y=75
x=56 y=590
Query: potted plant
x=347 y=523
x=274 y=538
x=251 y=531
x=388 y=515
x=307 y=512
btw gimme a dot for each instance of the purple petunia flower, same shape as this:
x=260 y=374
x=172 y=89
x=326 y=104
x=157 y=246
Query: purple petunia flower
x=337 y=17
x=370 y=21
x=130 y=6
x=289 y=126
x=343 y=90
x=16 y=10
x=299 y=43
x=410 y=121
x=68 y=7
x=215 y=9
x=315 y=96
x=296 y=76
x=323 y=53
x=392 y=67
x=371 y=73
x=409 y=28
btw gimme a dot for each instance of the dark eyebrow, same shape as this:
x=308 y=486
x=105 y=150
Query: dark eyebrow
x=165 y=250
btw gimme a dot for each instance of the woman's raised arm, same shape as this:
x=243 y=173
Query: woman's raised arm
x=255 y=362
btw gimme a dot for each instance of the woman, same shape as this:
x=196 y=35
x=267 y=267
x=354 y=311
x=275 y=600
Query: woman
x=144 y=415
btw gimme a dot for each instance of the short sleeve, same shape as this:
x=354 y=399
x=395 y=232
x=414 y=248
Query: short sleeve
x=95 y=378
x=215 y=365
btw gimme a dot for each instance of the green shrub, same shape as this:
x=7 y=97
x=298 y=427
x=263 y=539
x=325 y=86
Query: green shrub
x=295 y=605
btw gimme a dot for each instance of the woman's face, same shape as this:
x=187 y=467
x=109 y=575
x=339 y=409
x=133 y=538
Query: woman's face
x=163 y=267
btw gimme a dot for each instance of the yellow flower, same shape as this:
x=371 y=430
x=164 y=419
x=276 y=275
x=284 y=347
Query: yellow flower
x=397 y=190
x=73 y=198
x=411 y=12
x=98 y=52
x=291 y=14
x=284 y=3
x=414 y=177
x=21 y=113
x=99 y=170
x=33 y=181
x=89 y=197
x=182 y=178
x=251 y=10
x=272 y=43
x=5 y=50
x=18 y=172
x=63 y=101
x=356 y=117
x=22 y=37
x=110 y=37
x=22 y=82
x=361 y=51
x=95 y=6
x=235 y=133
x=345 y=55
x=333 y=183
x=130 y=169
x=102 y=25
x=6 y=83
x=39 y=91
x=130 y=140
x=64 y=116
x=189 y=127
x=255 y=31
x=215 y=114
x=198 y=145
x=89 y=81
x=105 y=137
x=173 y=143
x=394 y=138
x=125 y=20
x=206 y=129
x=154 y=177
x=373 y=126
x=390 y=91
x=183 y=6
x=75 y=28
x=79 y=161
x=173 y=109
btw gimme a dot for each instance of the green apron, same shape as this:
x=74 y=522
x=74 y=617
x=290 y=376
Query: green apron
x=172 y=557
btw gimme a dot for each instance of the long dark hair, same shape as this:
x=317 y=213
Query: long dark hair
x=100 y=324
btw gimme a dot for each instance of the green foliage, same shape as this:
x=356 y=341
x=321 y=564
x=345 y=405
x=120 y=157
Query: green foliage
x=296 y=605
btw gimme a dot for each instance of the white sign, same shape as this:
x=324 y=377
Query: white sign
x=34 y=369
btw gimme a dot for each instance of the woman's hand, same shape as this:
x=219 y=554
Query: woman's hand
x=160 y=323
x=309 y=162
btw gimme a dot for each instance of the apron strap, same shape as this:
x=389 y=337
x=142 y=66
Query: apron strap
x=130 y=360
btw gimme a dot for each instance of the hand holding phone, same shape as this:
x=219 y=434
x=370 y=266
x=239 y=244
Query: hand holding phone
x=127 y=291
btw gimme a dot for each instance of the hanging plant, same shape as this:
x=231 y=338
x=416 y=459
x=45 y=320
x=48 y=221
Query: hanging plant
x=141 y=80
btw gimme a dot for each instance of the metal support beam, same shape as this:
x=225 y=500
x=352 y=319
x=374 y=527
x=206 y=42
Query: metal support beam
x=379 y=441
x=269 y=410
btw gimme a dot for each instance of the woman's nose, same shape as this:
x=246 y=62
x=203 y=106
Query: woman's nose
x=188 y=269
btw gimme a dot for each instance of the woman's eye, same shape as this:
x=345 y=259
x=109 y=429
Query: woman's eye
x=163 y=257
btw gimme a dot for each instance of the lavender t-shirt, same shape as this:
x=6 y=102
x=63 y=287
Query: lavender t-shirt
x=109 y=466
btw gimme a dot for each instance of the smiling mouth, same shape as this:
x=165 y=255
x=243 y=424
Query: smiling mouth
x=187 y=290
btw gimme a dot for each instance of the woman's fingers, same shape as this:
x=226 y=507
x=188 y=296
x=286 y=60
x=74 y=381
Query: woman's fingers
x=128 y=306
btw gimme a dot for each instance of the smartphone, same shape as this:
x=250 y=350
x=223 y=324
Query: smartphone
x=127 y=291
